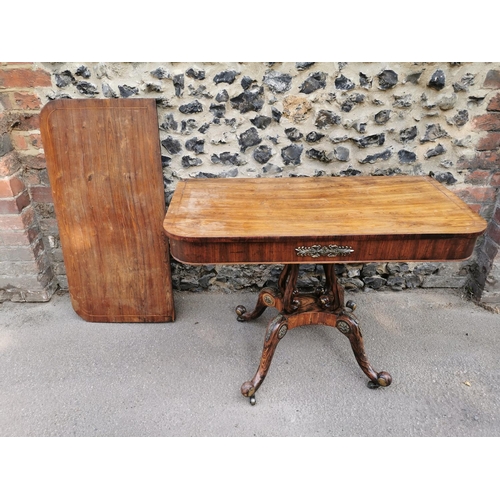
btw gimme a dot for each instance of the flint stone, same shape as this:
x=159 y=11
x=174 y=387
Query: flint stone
x=314 y=82
x=192 y=107
x=228 y=158
x=314 y=137
x=276 y=114
x=291 y=154
x=461 y=118
x=445 y=178
x=229 y=173
x=222 y=96
x=322 y=156
x=278 y=82
x=169 y=123
x=343 y=83
x=262 y=154
x=438 y=80
x=188 y=161
x=350 y=172
x=383 y=116
x=426 y=268
x=403 y=101
x=249 y=100
x=433 y=132
x=196 y=74
x=218 y=110
x=375 y=282
x=160 y=73
x=325 y=118
x=438 y=150
x=301 y=66
x=414 y=78
x=165 y=161
x=412 y=281
x=447 y=102
x=400 y=267
x=205 y=175
x=396 y=282
x=83 y=71
x=365 y=81
x=107 y=91
x=293 y=134
x=153 y=87
x=464 y=84
x=178 y=81
x=271 y=169
x=172 y=145
x=187 y=126
x=408 y=134
x=387 y=79
x=195 y=145
x=387 y=171
x=248 y=139
x=225 y=77
x=127 y=90
x=261 y=122
x=406 y=156
x=341 y=153
x=370 y=140
x=246 y=82
x=204 y=128
x=64 y=79
x=384 y=155
x=87 y=88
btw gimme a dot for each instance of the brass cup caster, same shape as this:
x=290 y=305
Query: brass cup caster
x=351 y=305
x=240 y=311
x=383 y=380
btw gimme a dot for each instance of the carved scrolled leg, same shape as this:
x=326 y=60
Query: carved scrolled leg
x=268 y=297
x=276 y=330
x=348 y=325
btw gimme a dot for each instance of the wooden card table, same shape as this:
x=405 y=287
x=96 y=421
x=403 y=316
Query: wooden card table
x=332 y=220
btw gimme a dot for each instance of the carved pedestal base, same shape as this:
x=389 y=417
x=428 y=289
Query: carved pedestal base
x=325 y=307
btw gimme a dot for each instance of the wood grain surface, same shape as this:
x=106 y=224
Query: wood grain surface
x=104 y=165
x=264 y=220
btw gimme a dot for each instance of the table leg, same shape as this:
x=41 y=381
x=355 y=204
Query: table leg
x=325 y=307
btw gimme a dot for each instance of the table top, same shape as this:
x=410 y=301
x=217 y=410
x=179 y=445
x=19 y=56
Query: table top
x=274 y=214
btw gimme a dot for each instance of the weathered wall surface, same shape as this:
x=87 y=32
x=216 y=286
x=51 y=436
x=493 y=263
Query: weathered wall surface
x=288 y=119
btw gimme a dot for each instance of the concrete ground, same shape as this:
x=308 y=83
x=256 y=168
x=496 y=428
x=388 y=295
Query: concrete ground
x=62 y=376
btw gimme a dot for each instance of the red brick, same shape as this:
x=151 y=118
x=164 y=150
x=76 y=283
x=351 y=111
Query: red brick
x=494 y=232
x=35 y=140
x=492 y=80
x=477 y=194
x=9 y=164
x=11 y=187
x=475 y=207
x=41 y=194
x=489 y=142
x=494 y=104
x=495 y=180
x=489 y=122
x=19 y=141
x=24 y=77
x=478 y=177
x=33 y=162
x=25 y=122
x=483 y=160
x=14 y=205
x=25 y=100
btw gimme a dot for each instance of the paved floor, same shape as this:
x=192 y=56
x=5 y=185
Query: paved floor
x=62 y=376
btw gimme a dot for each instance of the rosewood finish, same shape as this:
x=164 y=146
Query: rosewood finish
x=104 y=164
x=316 y=220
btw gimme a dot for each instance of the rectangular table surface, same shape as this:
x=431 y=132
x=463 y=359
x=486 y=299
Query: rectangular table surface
x=279 y=220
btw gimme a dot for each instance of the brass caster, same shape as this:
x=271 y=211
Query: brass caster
x=240 y=311
x=252 y=400
x=351 y=305
x=383 y=380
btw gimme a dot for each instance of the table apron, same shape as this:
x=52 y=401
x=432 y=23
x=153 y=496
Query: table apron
x=324 y=250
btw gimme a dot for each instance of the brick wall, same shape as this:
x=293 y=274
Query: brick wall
x=26 y=270
x=267 y=119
